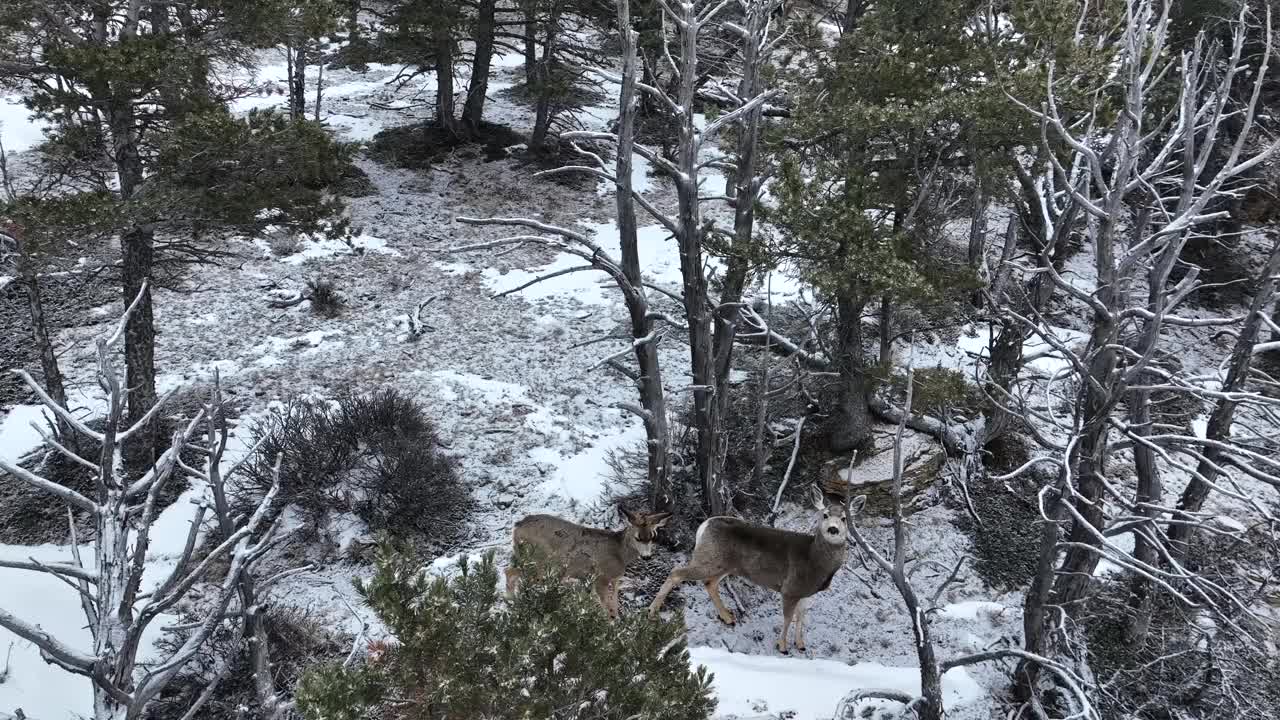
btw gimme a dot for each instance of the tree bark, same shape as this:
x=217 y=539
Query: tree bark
x=530 y=8
x=1097 y=399
x=1223 y=414
x=977 y=230
x=716 y=498
x=442 y=47
x=886 y=331
x=137 y=250
x=745 y=188
x=478 y=89
x=652 y=394
x=53 y=382
x=298 y=82
x=852 y=421
x=1147 y=498
x=542 y=84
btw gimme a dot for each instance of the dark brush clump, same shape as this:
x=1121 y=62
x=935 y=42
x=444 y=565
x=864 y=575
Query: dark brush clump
x=376 y=455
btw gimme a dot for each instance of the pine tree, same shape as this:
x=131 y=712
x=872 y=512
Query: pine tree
x=461 y=651
x=115 y=78
x=908 y=109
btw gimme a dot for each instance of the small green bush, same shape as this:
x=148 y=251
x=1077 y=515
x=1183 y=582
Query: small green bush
x=942 y=393
x=460 y=651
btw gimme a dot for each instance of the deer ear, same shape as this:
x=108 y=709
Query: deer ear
x=626 y=515
x=815 y=495
x=657 y=520
x=857 y=504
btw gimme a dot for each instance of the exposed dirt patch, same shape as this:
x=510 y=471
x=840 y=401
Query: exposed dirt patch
x=424 y=145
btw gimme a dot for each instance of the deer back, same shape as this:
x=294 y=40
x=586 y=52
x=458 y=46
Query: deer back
x=582 y=550
x=792 y=563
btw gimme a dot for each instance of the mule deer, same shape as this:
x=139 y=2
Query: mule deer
x=795 y=564
x=589 y=552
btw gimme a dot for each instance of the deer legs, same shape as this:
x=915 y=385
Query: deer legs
x=713 y=589
x=607 y=591
x=710 y=580
x=676 y=577
x=793 y=611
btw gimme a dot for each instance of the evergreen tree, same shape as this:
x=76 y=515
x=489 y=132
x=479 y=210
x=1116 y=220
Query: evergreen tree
x=115 y=78
x=460 y=651
x=909 y=108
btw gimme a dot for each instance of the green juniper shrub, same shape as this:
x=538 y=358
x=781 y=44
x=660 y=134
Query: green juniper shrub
x=941 y=392
x=376 y=455
x=461 y=651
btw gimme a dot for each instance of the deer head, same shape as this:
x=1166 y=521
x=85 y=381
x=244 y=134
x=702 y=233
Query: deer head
x=831 y=521
x=642 y=530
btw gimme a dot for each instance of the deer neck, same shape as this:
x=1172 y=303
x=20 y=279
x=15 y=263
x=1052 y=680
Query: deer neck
x=626 y=549
x=827 y=554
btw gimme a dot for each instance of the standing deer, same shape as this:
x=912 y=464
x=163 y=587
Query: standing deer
x=795 y=564
x=589 y=552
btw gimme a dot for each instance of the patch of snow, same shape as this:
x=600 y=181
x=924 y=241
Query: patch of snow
x=497 y=392
x=1124 y=542
x=1200 y=426
x=40 y=689
x=972 y=609
x=5 y=280
x=812 y=689
x=448 y=565
x=581 y=477
x=17 y=436
x=19 y=130
x=658 y=256
x=355 y=127
x=314 y=248
x=1230 y=524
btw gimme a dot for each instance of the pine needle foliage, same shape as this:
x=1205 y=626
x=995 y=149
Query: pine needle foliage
x=463 y=651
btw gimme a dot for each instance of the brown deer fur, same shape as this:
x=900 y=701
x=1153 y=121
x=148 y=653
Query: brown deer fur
x=797 y=565
x=586 y=552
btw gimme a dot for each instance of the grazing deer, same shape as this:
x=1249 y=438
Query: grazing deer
x=795 y=564
x=590 y=552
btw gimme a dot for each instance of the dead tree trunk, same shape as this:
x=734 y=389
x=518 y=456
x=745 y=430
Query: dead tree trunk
x=298 y=80
x=746 y=190
x=1147 y=498
x=1223 y=414
x=649 y=381
x=928 y=705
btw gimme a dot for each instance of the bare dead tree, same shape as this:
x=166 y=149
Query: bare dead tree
x=119 y=606
x=928 y=705
x=711 y=326
x=1142 y=185
x=251 y=591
